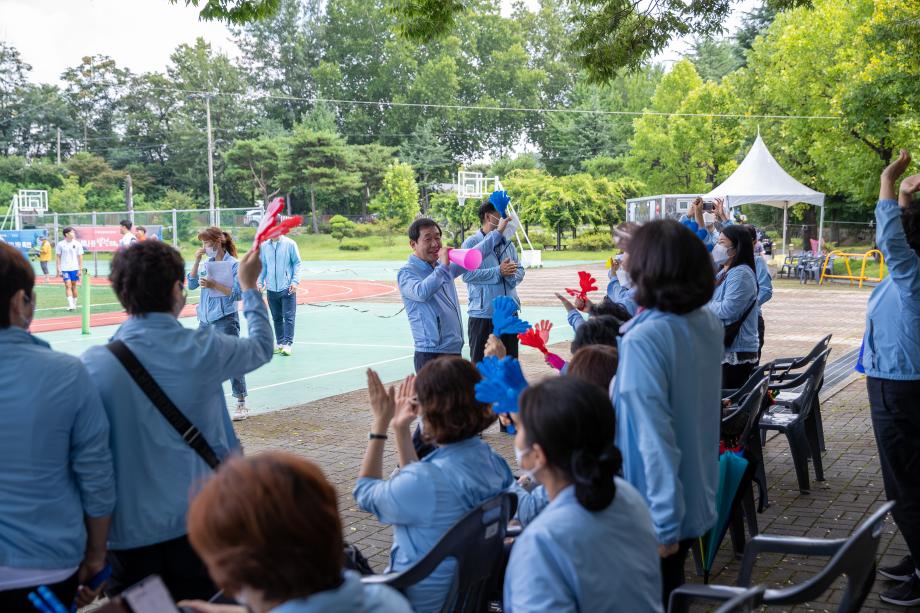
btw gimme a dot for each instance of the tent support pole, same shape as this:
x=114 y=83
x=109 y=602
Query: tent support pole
x=821 y=230
x=785 y=219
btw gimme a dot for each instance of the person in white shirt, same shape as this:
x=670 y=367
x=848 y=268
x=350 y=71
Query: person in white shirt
x=127 y=236
x=69 y=263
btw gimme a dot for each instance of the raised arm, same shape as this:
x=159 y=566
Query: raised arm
x=420 y=290
x=903 y=262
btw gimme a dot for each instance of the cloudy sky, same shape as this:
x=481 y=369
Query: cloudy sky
x=53 y=35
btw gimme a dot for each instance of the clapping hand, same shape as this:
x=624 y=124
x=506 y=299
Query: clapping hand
x=406 y=404
x=383 y=402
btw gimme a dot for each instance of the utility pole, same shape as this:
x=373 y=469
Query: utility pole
x=129 y=197
x=207 y=106
x=59 y=146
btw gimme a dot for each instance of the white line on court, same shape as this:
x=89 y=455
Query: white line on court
x=325 y=374
x=353 y=345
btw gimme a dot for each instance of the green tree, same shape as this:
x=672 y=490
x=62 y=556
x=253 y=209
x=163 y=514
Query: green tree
x=13 y=73
x=715 y=57
x=260 y=162
x=71 y=197
x=341 y=227
x=457 y=220
x=233 y=11
x=397 y=200
x=324 y=163
x=93 y=89
x=279 y=53
x=430 y=159
x=372 y=162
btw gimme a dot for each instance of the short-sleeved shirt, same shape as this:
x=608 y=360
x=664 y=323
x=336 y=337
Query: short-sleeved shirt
x=127 y=239
x=69 y=252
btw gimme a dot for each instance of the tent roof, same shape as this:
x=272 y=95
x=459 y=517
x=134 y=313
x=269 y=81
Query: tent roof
x=759 y=179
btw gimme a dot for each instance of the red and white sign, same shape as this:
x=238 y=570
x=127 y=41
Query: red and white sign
x=99 y=238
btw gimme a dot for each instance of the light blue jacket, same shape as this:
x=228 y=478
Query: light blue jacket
x=620 y=295
x=350 y=597
x=431 y=301
x=764 y=281
x=55 y=463
x=667 y=398
x=155 y=470
x=891 y=344
x=487 y=282
x=216 y=305
x=731 y=299
x=280 y=264
x=571 y=559
x=425 y=499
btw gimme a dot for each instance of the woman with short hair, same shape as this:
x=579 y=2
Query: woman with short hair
x=593 y=547
x=268 y=529
x=426 y=497
x=667 y=389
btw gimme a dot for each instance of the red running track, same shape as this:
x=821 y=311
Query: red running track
x=309 y=292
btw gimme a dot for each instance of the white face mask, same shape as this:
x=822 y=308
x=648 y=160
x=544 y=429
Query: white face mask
x=719 y=254
x=518 y=456
x=210 y=252
x=624 y=278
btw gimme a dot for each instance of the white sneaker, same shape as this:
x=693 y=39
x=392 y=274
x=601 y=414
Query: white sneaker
x=241 y=412
x=287 y=350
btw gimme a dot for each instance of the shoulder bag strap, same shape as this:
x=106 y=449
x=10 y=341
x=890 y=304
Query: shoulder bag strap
x=186 y=429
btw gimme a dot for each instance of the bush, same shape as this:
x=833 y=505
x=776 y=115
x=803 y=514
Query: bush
x=592 y=241
x=341 y=227
x=540 y=236
x=363 y=230
x=354 y=246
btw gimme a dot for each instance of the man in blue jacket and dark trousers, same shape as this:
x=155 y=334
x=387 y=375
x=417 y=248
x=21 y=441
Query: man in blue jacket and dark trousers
x=499 y=275
x=280 y=277
x=426 y=284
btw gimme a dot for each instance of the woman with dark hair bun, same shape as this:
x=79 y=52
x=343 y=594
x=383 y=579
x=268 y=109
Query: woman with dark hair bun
x=667 y=390
x=735 y=302
x=593 y=547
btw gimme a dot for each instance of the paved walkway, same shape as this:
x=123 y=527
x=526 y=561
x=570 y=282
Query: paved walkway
x=332 y=432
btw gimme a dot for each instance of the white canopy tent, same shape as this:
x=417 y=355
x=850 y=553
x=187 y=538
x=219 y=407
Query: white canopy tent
x=759 y=179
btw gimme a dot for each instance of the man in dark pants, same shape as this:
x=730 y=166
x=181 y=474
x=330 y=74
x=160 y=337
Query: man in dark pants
x=891 y=361
x=280 y=277
x=499 y=275
x=426 y=284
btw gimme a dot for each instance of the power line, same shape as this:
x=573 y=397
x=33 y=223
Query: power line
x=428 y=105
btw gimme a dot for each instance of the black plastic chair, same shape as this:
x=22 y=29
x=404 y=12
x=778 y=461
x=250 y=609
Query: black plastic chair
x=751 y=437
x=785 y=369
x=852 y=557
x=476 y=542
x=799 y=426
x=745 y=602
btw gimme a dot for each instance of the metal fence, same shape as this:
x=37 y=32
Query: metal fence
x=838 y=233
x=177 y=225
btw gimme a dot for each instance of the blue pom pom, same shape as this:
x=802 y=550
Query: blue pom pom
x=709 y=247
x=502 y=383
x=702 y=233
x=693 y=225
x=500 y=200
x=504 y=321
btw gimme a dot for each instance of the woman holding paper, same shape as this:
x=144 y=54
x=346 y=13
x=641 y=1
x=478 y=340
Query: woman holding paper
x=220 y=291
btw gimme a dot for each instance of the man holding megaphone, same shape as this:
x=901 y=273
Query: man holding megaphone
x=426 y=284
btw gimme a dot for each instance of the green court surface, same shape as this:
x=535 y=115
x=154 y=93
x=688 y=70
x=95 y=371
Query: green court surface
x=334 y=346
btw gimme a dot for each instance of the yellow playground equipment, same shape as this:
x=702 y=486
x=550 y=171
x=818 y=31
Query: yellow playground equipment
x=861 y=277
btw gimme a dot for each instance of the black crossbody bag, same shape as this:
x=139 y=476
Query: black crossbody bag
x=176 y=418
